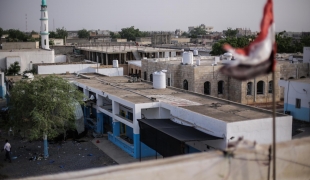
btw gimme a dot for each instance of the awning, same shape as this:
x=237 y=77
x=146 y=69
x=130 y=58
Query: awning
x=168 y=138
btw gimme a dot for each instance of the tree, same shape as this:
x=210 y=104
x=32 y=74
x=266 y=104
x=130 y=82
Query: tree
x=14 y=68
x=1 y=32
x=16 y=35
x=198 y=31
x=53 y=34
x=83 y=33
x=61 y=33
x=185 y=34
x=231 y=33
x=131 y=33
x=45 y=106
x=115 y=35
x=240 y=42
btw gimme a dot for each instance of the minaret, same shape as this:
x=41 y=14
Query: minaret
x=44 y=26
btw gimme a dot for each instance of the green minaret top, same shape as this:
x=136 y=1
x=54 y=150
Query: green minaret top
x=44 y=3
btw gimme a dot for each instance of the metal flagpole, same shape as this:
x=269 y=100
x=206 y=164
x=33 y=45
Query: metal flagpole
x=274 y=125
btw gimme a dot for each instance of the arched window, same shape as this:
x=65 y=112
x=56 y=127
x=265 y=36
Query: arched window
x=151 y=77
x=145 y=76
x=260 y=87
x=249 y=88
x=168 y=82
x=270 y=86
x=44 y=14
x=207 y=88
x=220 y=87
x=291 y=78
x=302 y=77
x=185 y=84
x=281 y=78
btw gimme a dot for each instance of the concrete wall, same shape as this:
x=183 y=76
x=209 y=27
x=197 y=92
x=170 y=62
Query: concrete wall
x=62 y=49
x=306 y=55
x=27 y=57
x=110 y=71
x=293 y=91
x=260 y=130
x=71 y=68
x=60 y=58
x=20 y=45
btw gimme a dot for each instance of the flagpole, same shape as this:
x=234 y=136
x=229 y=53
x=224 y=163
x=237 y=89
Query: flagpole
x=274 y=125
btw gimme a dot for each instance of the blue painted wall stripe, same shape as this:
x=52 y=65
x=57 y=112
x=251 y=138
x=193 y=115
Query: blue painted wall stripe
x=301 y=114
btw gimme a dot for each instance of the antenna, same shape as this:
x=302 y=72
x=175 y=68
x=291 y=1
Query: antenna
x=26 y=22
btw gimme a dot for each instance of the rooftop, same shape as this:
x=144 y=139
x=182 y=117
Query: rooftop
x=302 y=80
x=143 y=92
x=124 y=49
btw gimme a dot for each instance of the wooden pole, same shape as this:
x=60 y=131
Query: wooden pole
x=274 y=125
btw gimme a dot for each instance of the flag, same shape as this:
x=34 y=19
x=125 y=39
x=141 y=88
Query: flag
x=258 y=57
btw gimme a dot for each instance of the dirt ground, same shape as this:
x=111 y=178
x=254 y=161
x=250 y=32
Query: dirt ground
x=64 y=156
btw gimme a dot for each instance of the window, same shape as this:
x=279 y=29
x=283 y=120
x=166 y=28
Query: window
x=145 y=76
x=168 y=82
x=302 y=77
x=260 y=87
x=291 y=78
x=298 y=102
x=270 y=87
x=44 y=41
x=44 y=27
x=206 y=88
x=220 y=87
x=151 y=77
x=185 y=84
x=131 y=71
x=249 y=88
x=130 y=116
x=44 y=14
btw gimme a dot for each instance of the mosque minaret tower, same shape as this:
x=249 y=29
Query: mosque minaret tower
x=44 y=26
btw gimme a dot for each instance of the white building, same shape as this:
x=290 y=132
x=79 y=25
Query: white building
x=120 y=104
x=297 y=98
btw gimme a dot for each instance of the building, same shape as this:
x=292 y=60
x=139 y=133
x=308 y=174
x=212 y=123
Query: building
x=202 y=76
x=297 y=98
x=161 y=38
x=208 y=29
x=58 y=42
x=44 y=26
x=120 y=106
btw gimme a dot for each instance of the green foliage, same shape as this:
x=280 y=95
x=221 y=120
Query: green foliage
x=53 y=34
x=1 y=32
x=83 y=33
x=61 y=33
x=231 y=33
x=185 y=34
x=289 y=45
x=198 y=31
x=33 y=71
x=131 y=33
x=115 y=35
x=45 y=105
x=217 y=48
x=16 y=35
x=14 y=68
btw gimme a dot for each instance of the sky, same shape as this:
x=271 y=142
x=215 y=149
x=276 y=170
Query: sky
x=153 y=15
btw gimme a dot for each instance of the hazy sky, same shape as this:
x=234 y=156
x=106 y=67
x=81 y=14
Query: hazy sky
x=155 y=15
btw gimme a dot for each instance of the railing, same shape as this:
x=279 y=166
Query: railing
x=124 y=118
x=129 y=148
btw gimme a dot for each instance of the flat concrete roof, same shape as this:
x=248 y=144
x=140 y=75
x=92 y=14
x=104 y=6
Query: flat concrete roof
x=302 y=80
x=23 y=50
x=124 y=49
x=142 y=92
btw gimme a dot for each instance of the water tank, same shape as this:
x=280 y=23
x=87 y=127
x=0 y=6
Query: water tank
x=216 y=60
x=195 y=52
x=115 y=63
x=228 y=56
x=159 y=80
x=198 y=62
x=187 y=58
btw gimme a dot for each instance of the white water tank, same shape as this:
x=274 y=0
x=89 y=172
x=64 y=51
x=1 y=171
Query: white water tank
x=115 y=63
x=198 y=62
x=228 y=56
x=187 y=58
x=159 y=80
x=195 y=52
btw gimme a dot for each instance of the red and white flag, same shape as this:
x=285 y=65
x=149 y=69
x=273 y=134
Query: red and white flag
x=258 y=57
